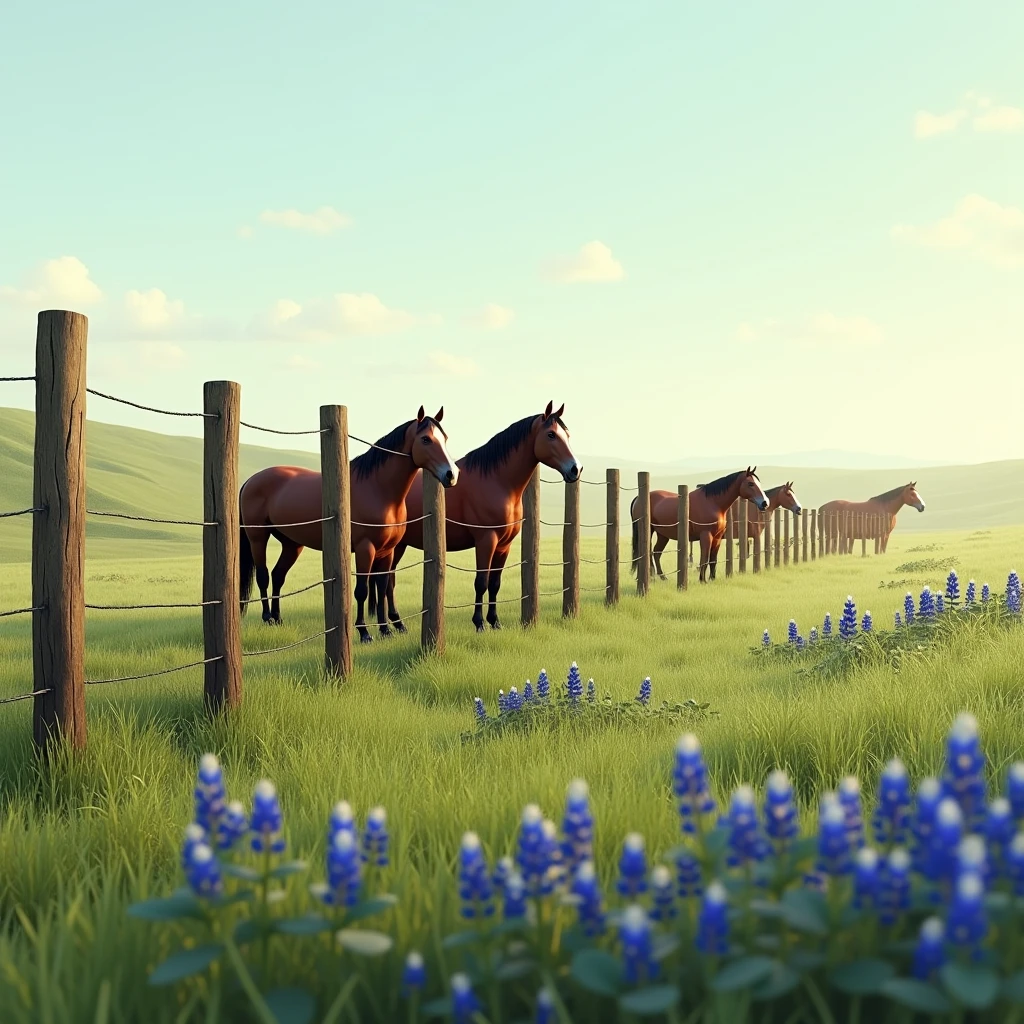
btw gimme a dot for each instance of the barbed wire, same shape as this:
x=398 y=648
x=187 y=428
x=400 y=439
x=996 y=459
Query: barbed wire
x=137 y=607
x=152 y=408
x=19 y=512
x=152 y=675
x=25 y=696
x=147 y=519
x=11 y=379
x=290 y=433
x=21 y=611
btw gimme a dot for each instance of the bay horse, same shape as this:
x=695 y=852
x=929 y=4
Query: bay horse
x=485 y=511
x=709 y=504
x=284 y=502
x=886 y=505
x=782 y=497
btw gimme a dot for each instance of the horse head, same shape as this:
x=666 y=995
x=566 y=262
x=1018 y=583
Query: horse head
x=788 y=500
x=551 y=444
x=750 y=488
x=428 y=449
x=911 y=497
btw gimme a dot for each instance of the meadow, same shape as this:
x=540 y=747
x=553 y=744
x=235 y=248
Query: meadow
x=80 y=843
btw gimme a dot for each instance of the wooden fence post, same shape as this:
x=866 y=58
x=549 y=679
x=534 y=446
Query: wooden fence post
x=336 y=509
x=756 y=548
x=643 y=526
x=222 y=621
x=862 y=522
x=435 y=555
x=767 y=541
x=876 y=531
x=730 y=526
x=58 y=531
x=745 y=507
x=805 y=530
x=683 y=537
x=814 y=533
x=571 y=552
x=530 y=557
x=796 y=535
x=785 y=538
x=611 y=538
x=778 y=537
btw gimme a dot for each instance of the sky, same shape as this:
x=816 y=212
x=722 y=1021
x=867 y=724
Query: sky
x=706 y=229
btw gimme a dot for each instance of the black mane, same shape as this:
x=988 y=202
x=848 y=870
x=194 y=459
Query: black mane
x=894 y=493
x=722 y=484
x=497 y=451
x=373 y=458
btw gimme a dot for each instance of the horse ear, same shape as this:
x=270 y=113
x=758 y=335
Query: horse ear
x=440 y=415
x=561 y=409
x=420 y=415
x=548 y=408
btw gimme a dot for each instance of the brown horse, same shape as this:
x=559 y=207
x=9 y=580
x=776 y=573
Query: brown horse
x=884 y=505
x=778 y=497
x=284 y=502
x=485 y=511
x=709 y=504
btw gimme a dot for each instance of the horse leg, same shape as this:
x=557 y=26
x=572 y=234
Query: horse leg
x=493 y=586
x=485 y=545
x=715 y=545
x=393 y=616
x=379 y=587
x=660 y=545
x=289 y=556
x=364 y=564
x=691 y=552
x=705 y=552
x=258 y=546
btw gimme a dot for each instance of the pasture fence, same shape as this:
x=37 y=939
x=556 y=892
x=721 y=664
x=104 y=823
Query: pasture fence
x=59 y=514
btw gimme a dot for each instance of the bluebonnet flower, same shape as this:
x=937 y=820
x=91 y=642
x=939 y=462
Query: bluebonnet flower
x=589 y=903
x=533 y=857
x=853 y=814
x=926 y=604
x=926 y=808
x=1013 y=594
x=637 y=946
x=713 y=922
x=964 y=774
x=929 y=953
x=209 y=793
x=801 y=643
x=813 y=635
x=848 y=622
x=545 y=1008
x=513 y=702
x=233 y=824
x=514 y=892
x=780 y=811
x=464 y=1002
x=966 y=921
x=826 y=626
x=344 y=872
x=479 y=710
x=543 y=684
x=341 y=820
x=897 y=621
x=502 y=870
x=663 y=894
x=972 y=594
x=953 y=588
x=986 y=593
x=746 y=844
x=528 y=692
x=892 y=809
x=267 y=822
x=414 y=974
x=632 y=866
x=999 y=831
x=894 y=895
x=766 y=639
x=574 y=683
x=577 y=826
x=940 y=604
x=194 y=835
x=475 y=888
x=908 y=609
x=866 y=623
x=866 y=878
x=644 y=696
x=203 y=872
x=1015 y=863
x=591 y=691
x=375 y=838
x=690 y=782
x=1015 y=788
x=971 y=858
x=949 y=830
x=552 y=857
x=833 y=838
x=502 y=702
x=792 y=634
x=688 y=882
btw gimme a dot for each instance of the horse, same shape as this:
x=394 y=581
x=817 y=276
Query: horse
x=885 y=505
x=284 y=502
x=708 y=506
x=485 y=512
x=778 y=497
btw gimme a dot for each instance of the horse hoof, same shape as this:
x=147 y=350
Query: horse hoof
x=365 y=638
x=400 y=627
x=662 y=576
x=385 y=631
x=479 y=626
x=495 y=624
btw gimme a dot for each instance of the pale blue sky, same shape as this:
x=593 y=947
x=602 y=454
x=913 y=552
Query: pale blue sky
x=746 y=166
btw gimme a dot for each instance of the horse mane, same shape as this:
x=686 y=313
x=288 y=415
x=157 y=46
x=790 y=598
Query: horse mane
x=770 y=492
x=497 y=451
x=373 y=458
x=894 y=493
x=722 y=484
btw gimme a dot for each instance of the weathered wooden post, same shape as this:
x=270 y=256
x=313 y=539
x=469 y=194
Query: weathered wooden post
x=643 y=526
x=530 y=569
x=435 y=555
x=222 y=620
x=862 y=523
x=785 y=542
x=571 y=552
x=814 y=533
x=683 y=537
x=745 y=507
x=767 y=541
x=778 y=537
x=336 y=509
x=611 y=538
x=876 y=531
x=730 y=526
x=58 y=531
x=757 y=545
x=804 y=527
x=796 y=535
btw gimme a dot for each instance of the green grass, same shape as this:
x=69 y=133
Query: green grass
x=79 y=843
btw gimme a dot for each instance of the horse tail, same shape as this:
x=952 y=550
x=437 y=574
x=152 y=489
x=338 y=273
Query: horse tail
x=247 y=569
x=633 y=565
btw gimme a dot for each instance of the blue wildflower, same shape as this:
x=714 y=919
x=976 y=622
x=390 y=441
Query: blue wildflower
x=514 y=892
x=267 y=821
x=1013 y=594
x=663 y=896
x=528 y=692
x=574 y=683
x=1015 y=863
x=826 y=626
x=194 y=835
x=713 y=922
x=688 y=881
x=966 y=921
x=344 y=871
x=545 y=1008
x=986 y=593
x=502 y=702
x=475 y=888
x=414 y=974
x=953 y=589
x=746 y=844
x=866 y=879
x=908 y=609
x=780 y=810
x=866 y=624
x=892 y=809
x=202 y=871
x=589 y=903
x=644 y=696
x=209 y=793
x=929 y=796
x=341 y=820
x=375 y=838
x=543 y=684
x=1015 y=788
x=801 y=643
x=813 y=636
x=833 y=839
x=637 y=945
x=999 y=831
x=853 y=814
x=632 y=867
x=690 y=782
x=766 y=639
x=792 y=634
x=464 y=1003
x=972 y=594
x=848 y=621
x=513 y=702
x=929 y=953
x=502 y=871
x=894 y=895
x=940 y=604
x=926 y=604
x=533 y=853
x=577 y=826
x=897 y=621
x=949 y=830
x=971 y=858
x=479 y=710
x=232 y=826
x=964 y=774
x=591 y=691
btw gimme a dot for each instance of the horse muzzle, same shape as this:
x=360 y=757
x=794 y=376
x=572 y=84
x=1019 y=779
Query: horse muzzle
x=797 y=511
x=573 y=473
x=762 y=505
x=449 y=477
x=920 y=508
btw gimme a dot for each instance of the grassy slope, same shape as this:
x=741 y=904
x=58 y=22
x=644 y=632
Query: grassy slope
x=76 y=847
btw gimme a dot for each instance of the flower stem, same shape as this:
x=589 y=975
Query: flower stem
x=262 y=1010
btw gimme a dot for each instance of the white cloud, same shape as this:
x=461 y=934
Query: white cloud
x=1000 y=119
x=152 y=310
x=491 y=318
x=322 y=221
x=593 y=262
x=162 y=355
x=927 y=125
x=346 y=314
x=979 y=227
x=59 y=283
x=982 y=112
x=821 y=329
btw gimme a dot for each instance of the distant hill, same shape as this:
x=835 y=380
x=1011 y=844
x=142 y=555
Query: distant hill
x=144 y=473
x=826 y=458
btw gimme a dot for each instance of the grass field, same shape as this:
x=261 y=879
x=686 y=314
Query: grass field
x=78 y=845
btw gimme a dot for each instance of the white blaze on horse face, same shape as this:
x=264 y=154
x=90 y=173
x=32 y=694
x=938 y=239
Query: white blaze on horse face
x=761 y=501
x=919 y=504
x=569 y=467
x=447 y=471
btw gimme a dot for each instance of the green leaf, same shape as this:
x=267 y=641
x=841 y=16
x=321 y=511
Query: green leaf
x=916 y=995
x=309 y=924
x=805 y=911
x=513 y=969
x=241 y=871
x=370 y=907
x=862 y=977
x=976 y=987
x=649 y=1002
x=185 y=964
x=597 y=971
x=291 y=1005
x=169 y=908
x=742 y=973
x=1013 y=988
x=437 y=1007
x=292 y=867
x=457 y=939
x=364 y=943
x=784 y=978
